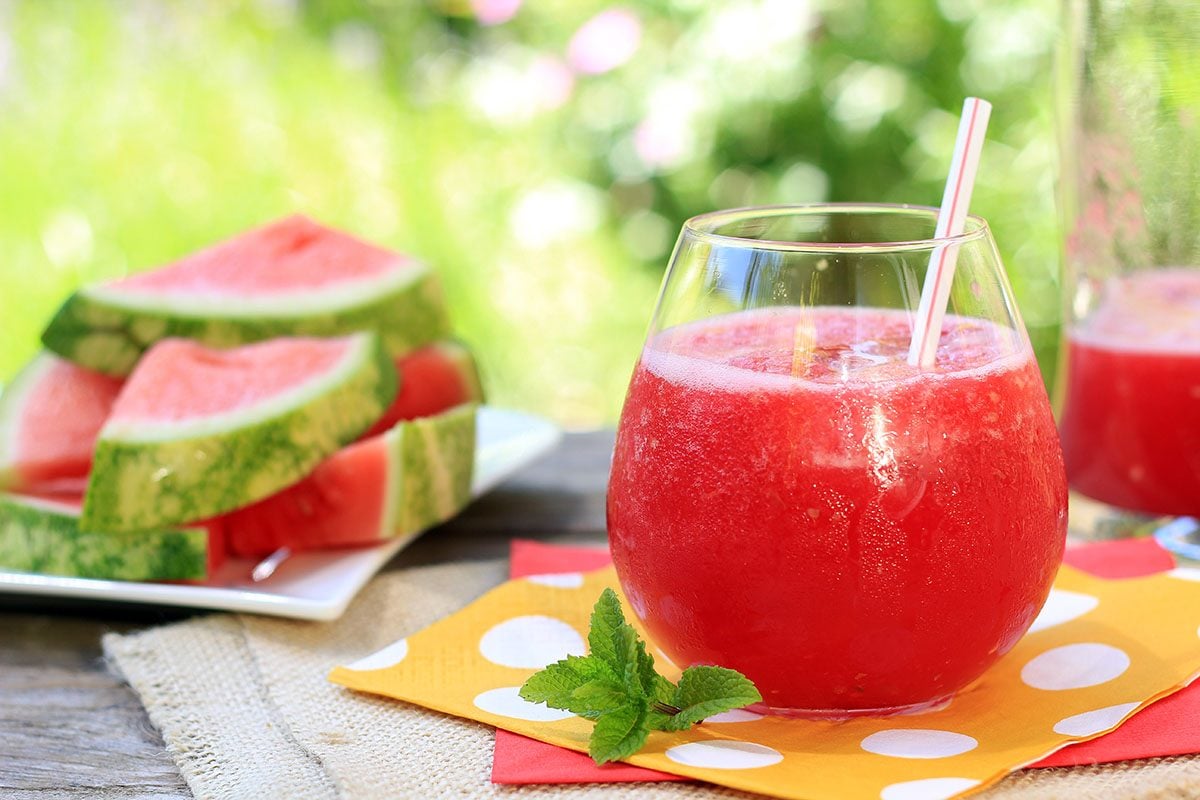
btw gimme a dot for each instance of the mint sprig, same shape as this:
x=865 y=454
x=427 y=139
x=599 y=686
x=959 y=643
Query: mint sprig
x=618 y=688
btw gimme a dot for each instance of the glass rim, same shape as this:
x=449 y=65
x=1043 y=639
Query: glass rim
x=702 y=227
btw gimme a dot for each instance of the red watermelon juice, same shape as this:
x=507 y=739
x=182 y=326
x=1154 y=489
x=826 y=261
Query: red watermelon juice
x=1131 y=420
x=789 y=498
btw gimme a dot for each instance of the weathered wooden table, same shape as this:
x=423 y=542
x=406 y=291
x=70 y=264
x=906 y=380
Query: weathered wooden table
x=70 y=729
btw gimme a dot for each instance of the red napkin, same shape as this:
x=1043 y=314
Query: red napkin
x=1167 y=728
x=519 y=759
x=1170 y=727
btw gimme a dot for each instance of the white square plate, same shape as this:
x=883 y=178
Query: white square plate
x=314 y=585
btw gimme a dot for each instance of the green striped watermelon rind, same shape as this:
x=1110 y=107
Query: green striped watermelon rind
x=107 y=329
x=153 y=475
x=432 y=461
x=12 y=400
x=45 y=537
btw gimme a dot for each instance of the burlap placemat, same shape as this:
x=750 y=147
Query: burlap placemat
x=246 y=712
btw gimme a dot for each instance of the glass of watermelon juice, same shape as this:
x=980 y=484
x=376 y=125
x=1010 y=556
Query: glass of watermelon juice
x=791 y=499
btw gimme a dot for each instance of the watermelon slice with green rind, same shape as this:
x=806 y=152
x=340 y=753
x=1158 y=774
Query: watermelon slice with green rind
x=44 y=536
x=390 y=486
x=197 y=432
x=50 y=414
x=293 y=277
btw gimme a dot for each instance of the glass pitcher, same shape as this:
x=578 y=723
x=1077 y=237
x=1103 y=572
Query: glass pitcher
x=1129 y=391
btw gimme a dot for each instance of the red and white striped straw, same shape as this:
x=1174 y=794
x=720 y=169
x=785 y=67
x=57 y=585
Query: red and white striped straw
x=952 y=219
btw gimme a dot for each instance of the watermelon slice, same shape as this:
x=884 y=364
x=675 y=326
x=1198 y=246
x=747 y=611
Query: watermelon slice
x=433 y=379
x=392 y=485
x=196 y=432
x=49 y=417
x=292 y=277
x=42 y=535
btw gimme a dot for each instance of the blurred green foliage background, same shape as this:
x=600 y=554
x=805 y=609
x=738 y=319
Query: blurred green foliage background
x=541 y=153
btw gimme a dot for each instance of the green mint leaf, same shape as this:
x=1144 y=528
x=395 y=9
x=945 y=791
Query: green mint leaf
x=618 y=688
x=556 y=684
x=600 y=696
x=704 y=691
x=662 y=689
x=630 y=651
x=649 y=677
x=607 y=619
x=619 y=733
x=661 y=709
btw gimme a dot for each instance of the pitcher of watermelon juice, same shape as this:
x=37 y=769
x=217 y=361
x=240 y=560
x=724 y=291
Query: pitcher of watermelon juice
x=1130 y=416
x=791 y=499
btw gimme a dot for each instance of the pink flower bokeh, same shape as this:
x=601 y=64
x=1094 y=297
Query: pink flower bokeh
x=494 y=12
x=605 y=42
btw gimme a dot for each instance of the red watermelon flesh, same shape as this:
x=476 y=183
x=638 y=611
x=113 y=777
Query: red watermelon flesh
x=50 y=416
x=293 y=277
x=397 y=483
x=329 y=509
x=342 y=498
x=292 y=254
x=433 y=379
x=182 y=380
x=197 y=432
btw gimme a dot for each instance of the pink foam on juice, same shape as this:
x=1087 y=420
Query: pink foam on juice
x=791 y=499
x=1131 y=420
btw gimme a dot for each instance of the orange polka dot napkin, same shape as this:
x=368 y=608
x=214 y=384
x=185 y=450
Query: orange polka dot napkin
x=1169 y=727
x=1099 y=652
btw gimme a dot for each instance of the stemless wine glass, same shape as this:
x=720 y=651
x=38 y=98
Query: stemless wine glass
x=791 y=499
